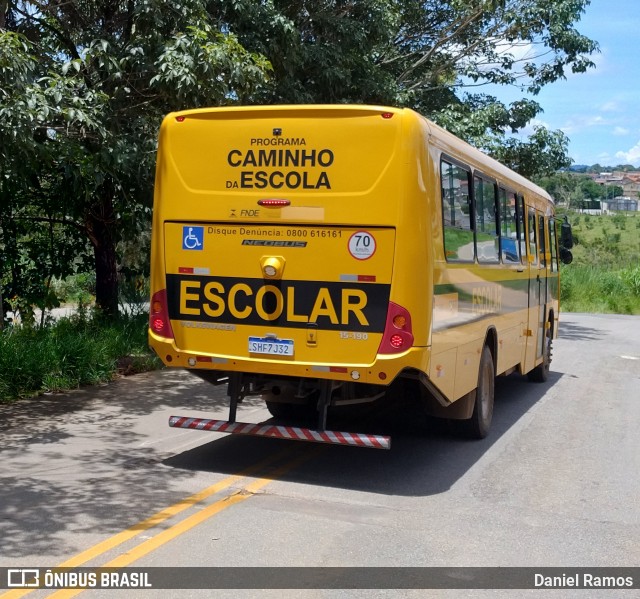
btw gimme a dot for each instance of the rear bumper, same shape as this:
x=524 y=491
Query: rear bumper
x=381 y=372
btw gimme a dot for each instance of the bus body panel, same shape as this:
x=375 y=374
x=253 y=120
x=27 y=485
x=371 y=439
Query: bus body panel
x=470 y=298
x=331 y=306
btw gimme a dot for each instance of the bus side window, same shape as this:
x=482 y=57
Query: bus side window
x=508 y=228
x=542 y=241
x=520 y=228
x=486 y=222
x=531 y=235
x=553 y=245
x=456 y=212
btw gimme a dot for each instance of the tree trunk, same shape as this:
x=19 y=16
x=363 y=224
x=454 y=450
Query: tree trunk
x=101 y=227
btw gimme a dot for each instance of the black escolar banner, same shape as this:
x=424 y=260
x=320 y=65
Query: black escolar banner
x=232 y=300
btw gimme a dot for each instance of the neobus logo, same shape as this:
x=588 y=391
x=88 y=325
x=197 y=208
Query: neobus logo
x=329 y=305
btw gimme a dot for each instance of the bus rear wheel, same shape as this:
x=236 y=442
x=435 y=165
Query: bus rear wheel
x=280 y=410
x=477 y=427
x=283 y=404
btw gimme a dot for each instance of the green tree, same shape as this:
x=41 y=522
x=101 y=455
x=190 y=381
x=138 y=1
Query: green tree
x=524 y=43
x=591 y=190
x=614 y=190
x=423 y=54
x=84 y=88
x=561 y=186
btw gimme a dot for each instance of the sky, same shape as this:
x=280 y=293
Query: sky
x=599 y=110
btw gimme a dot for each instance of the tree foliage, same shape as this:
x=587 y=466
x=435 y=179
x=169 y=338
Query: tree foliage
x=84 y=87
x=84 y=84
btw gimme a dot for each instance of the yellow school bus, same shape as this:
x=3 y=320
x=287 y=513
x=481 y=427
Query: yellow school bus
x=314 y=255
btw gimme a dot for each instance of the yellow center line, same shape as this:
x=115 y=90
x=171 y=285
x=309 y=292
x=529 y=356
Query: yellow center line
x=155 y=520
x=192 y=521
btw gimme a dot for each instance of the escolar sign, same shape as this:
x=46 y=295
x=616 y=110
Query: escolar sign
x=358 y=307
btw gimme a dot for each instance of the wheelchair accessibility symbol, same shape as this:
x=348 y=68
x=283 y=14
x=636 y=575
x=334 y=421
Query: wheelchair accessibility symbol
x=192 y=238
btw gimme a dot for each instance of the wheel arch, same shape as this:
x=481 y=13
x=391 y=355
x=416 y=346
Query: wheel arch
x=491 y=341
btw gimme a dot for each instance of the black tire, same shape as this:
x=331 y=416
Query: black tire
x=280 y=410
x=477 y=427
x=540 y=373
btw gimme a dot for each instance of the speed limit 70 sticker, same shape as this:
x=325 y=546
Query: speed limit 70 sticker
x=362 y=245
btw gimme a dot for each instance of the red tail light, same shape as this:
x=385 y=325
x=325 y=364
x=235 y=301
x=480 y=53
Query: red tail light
x=398 y=335
x=273 y=202
x=159 y=321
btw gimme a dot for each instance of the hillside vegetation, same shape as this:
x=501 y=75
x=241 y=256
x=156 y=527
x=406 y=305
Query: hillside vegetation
x=605 y=273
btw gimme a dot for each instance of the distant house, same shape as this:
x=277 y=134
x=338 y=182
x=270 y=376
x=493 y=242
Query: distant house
x=610 y=178
x=629 y=182
x=631 y=185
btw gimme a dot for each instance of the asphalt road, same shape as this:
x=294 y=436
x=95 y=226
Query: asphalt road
x=555 y=484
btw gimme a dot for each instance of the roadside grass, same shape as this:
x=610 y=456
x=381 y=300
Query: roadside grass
x=80 y=350
x=605 y=274
x=596 y=289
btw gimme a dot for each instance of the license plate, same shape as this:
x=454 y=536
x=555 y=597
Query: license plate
x=270 y=346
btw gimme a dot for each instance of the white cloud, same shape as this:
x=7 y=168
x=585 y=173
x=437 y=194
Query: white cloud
x=632 y=156
x=611 y=106
x=581 y=123
x=530 y=127
x=605 y=158
x=620 y=131
x=594 y=121
x=519 y=51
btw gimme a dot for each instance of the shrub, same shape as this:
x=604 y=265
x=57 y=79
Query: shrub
x=74 y=351
x=631 y=278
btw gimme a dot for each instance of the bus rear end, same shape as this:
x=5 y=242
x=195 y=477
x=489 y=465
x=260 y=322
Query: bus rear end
x=275 y=242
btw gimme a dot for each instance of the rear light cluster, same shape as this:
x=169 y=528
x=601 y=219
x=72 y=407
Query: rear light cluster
x=398 y=335
x=159 y=315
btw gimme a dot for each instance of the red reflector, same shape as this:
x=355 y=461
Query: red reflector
x=337 y=369
x=273 y=203
x=185 y=270
x=367 y=278
x=387 y=115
